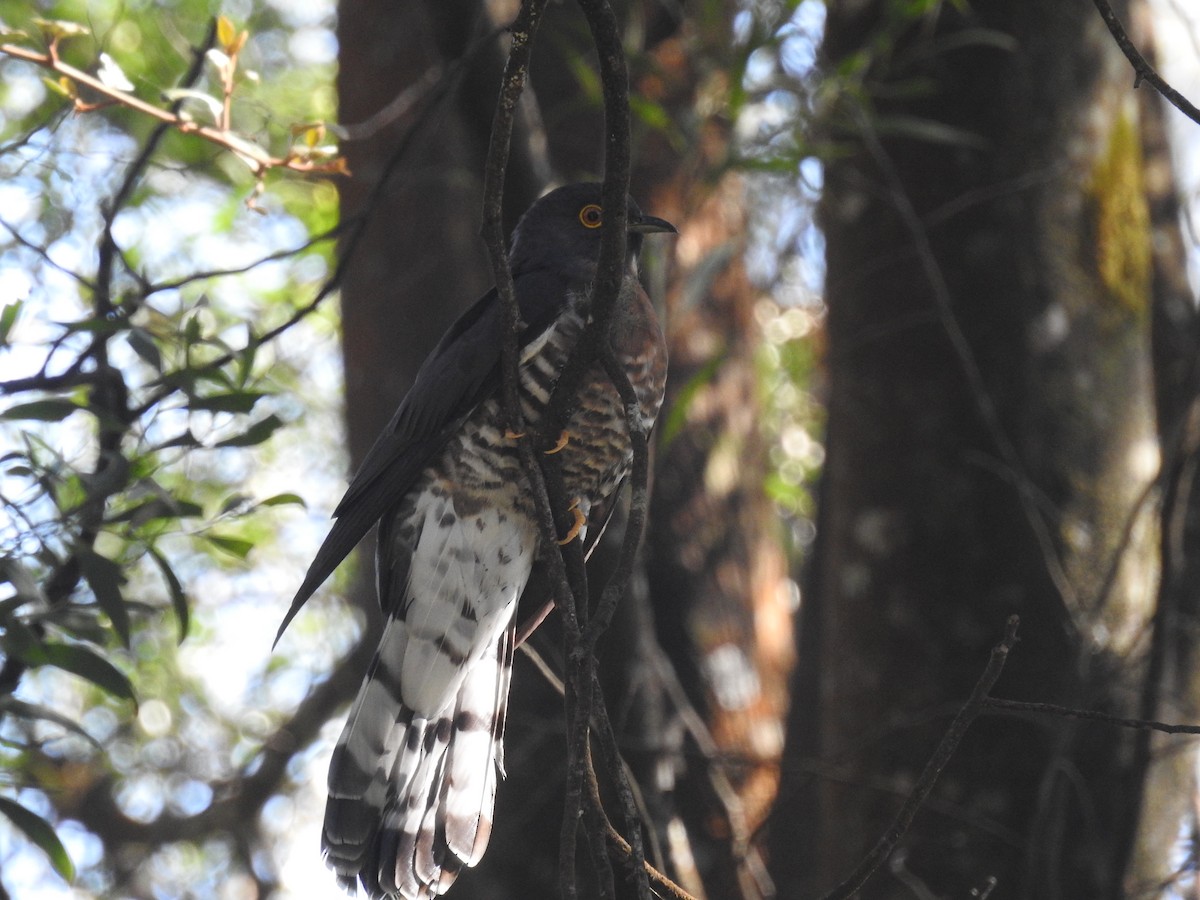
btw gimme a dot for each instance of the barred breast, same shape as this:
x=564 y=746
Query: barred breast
x=482 y=460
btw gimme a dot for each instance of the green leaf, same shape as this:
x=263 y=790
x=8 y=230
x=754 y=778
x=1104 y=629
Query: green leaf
x=143 y=344
x=235 y=546
x=676 y=416
x=86 y=663
x=64 y=86
x=52 y=409
x=284 y=500
x=8 y=318
x=41 y=834
x=100 y=325
x=191 y=330
x=178 y=597
x=255 y=434
x=12 y=706
x=105 y=578
x=245 y=360
x=650 y=113
x=929 y=131
x=157 y=508
x=60 y=28
x=19 y=639
x=232 y=502
x=234 y=402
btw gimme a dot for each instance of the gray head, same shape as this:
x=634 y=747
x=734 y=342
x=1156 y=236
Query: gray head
x=562 y=230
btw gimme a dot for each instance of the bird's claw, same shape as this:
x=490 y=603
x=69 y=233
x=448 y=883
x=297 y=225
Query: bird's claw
x=576 y=526
x=511 y=435
x=563 y=440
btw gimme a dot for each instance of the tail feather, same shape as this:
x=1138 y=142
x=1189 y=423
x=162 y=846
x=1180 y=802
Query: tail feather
x=412 y=783
x=411 y=799
x=378 y=725
x=468 y=789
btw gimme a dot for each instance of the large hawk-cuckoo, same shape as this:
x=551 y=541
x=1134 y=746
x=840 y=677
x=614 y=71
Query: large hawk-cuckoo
x=413 y=777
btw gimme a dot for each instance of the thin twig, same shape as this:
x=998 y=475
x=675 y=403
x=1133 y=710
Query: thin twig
x=618 y=843
x=258 y=159
x=623 y=782
x=512 y=84
x=109 y=394
x=1070 y=712
x=933 y=768
x=353 y=227
x=44 y=254
x=1142 y=69
x=209 y=274
x=597 y=824
x=1027 y=492
x=567 y=572
x=610 y=274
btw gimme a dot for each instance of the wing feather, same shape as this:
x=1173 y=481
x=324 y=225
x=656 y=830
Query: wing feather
x=461 y=372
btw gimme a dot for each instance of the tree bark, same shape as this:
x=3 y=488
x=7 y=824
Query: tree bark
x=991 y=439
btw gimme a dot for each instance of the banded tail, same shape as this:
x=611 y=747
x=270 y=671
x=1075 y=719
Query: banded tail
x=412 y=781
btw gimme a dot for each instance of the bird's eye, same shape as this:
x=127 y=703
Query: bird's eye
x=590 y=216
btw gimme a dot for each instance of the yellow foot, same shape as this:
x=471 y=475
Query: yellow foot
x=576 y=527
x=563 y=440
x=513 y=435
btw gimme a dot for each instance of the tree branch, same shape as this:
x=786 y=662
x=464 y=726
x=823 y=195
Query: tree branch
x=933 y=768
x=1142 y=69
x=1000 y=705
x=256 y=158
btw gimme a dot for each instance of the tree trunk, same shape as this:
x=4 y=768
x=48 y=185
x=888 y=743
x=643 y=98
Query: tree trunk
x=991 y=437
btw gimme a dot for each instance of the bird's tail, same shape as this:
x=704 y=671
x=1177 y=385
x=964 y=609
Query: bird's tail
x=411 y=797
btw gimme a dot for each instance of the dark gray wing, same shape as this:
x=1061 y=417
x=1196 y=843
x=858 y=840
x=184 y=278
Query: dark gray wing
x=460 y=372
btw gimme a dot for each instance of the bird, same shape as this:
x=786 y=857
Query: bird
x=413 y=776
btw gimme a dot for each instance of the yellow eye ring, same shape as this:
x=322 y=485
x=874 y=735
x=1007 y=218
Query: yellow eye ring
x=591 y=216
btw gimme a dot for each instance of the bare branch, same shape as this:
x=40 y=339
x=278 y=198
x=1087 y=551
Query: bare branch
x=566 y=565
x=1027 y=491
x=617 y=843
x=1142 y=69
x=205 y=275
x=44 y=254
x=108 y=248
x=1067 y=712
x=933 y=768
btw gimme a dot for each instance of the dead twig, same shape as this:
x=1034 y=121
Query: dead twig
x=1143 y=71
x=933 y=768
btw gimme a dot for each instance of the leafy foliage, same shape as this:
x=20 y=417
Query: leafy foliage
x=146 y=276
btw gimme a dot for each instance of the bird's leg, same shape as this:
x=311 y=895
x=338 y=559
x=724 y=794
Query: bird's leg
x=513 y=435
x=563 y=440
x=577 y=525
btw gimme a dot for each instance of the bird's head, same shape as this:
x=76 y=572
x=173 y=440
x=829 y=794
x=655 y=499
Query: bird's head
x=562 y=230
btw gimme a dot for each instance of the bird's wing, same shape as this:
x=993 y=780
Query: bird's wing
x=460 y=372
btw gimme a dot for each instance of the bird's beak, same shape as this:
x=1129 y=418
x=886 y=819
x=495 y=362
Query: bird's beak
x=651 y=225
